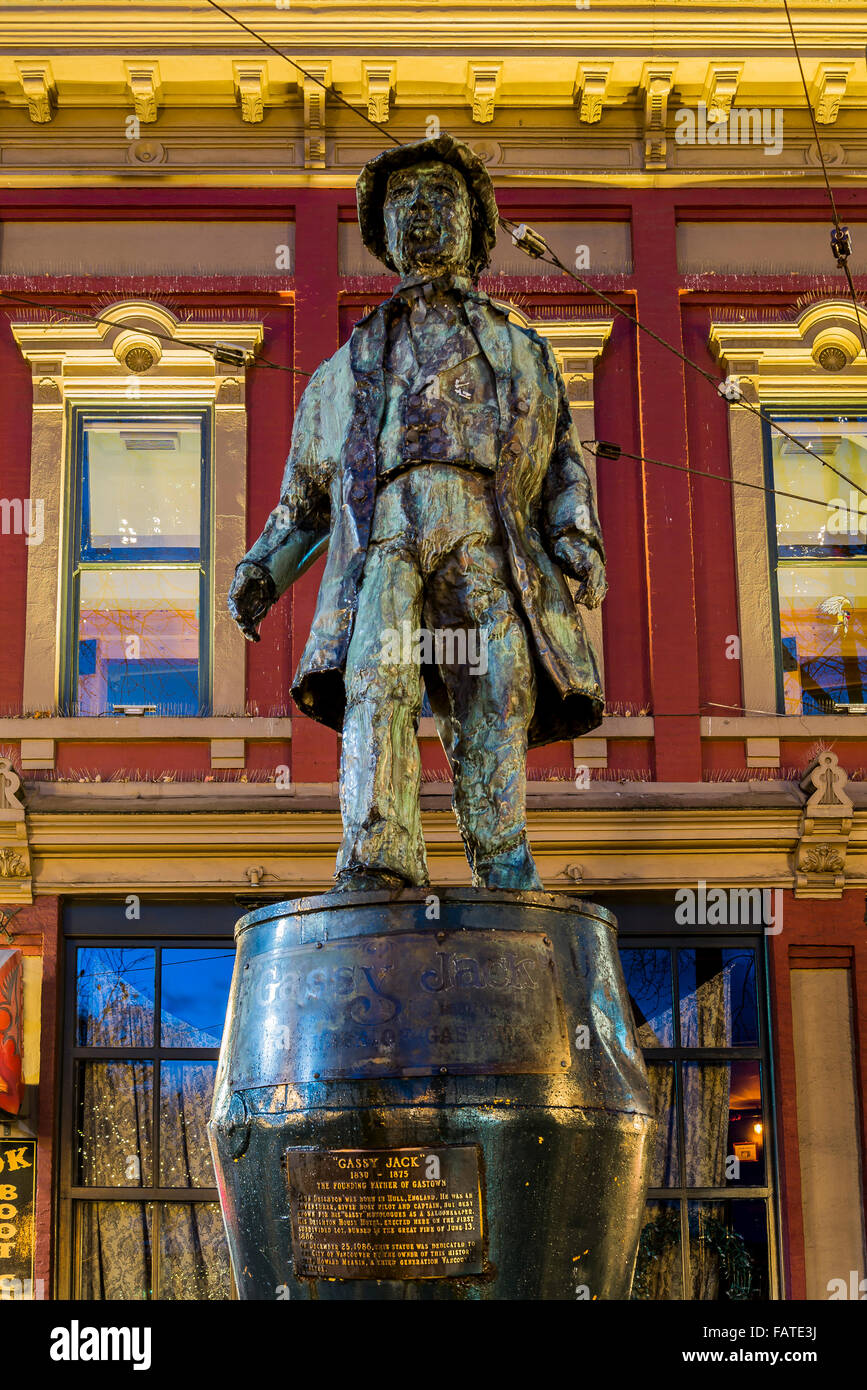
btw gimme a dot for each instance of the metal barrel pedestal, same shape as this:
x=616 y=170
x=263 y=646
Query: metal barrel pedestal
x=431 y=1096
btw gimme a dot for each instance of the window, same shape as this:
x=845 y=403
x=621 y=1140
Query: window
x=140 y=1208
x=698 y=1010
x=138 y=581
x=821 y=564
x=144 y=1018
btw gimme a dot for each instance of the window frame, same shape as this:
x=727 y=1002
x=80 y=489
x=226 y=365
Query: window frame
x=95 y=924
x=79 y=415
x=669 y=936
x=796 y=412
x=168 y=924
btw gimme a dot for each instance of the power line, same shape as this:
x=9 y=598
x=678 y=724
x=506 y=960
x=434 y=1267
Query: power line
x=602 y=449
x=535 y=246
x=841 y=242
x=311 y=77
x=220 y=352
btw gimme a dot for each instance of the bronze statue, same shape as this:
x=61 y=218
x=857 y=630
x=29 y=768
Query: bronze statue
x=435 y=457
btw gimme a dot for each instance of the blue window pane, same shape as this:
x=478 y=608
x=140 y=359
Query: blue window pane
x=718 y=1004
x=142 y=488
x=195 y=992
x=139 y=631
x=648 y=980
x=171 y=686
x=115 y=997
x=87 y=657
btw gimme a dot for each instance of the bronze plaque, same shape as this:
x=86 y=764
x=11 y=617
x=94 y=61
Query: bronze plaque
x=403 y=1004
x=386 y=1213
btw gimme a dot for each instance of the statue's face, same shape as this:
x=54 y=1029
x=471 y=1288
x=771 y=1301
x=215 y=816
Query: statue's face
x=428 y=221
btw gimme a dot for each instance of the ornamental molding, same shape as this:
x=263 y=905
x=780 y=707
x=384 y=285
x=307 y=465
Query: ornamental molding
x=577 y=343
x=15 y=868
x=379 y=84
x=138 y=350
x=251 y=88
x=815 y=356
x=145 y=89
x=483 y=85
x=592 y=88
x=163 y=848
x=39 y=89
x=656 y=86
x=314 y=93
x=720 y=90
x=829 y=89
x=824 y=831
x=135 y=354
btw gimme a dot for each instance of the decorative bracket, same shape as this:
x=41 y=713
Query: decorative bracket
x=484 y=84
x=378 y=81
x=314 y=115
x=143 y=80
x=720 y=90
x=251 y=88
x=593 y=86
x=829 y=89
x=39 y=90
x=823 y=835
x=15 y=880
x=657 y=84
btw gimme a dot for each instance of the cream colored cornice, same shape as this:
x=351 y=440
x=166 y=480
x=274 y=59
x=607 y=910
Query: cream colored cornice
x=306 y=26
x=781 y=360
x=187 y=854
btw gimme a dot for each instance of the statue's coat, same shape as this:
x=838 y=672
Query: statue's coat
x=542 y=492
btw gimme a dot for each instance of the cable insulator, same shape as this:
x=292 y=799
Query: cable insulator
x=228 y=352
x=841 y=244
x=530 y=241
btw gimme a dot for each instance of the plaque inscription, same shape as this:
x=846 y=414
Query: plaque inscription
x=405 y=1004
x=386 y=1213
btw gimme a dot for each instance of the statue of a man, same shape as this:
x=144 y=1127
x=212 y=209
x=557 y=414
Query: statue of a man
x=435 y=457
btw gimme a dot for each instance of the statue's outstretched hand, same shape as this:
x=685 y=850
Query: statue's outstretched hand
x=251 y=595
x=583 y=563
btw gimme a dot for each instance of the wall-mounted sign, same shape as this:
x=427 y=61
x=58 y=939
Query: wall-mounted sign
x=11 y=1047
x=746 y=1153
x=17 y=1188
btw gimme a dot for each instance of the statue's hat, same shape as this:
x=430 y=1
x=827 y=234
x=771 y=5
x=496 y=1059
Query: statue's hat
x=371 y=187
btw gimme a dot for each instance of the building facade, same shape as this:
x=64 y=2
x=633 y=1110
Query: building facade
x=170 y=185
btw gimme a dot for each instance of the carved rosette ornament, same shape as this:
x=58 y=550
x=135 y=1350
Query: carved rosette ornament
x=823 y=835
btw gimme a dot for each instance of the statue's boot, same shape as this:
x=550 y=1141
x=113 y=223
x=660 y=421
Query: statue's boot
x=511 y=868
x=364 y=880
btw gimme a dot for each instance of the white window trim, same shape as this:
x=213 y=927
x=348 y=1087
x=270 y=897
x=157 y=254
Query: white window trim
x=83 y=363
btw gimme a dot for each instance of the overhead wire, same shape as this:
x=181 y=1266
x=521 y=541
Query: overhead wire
x=538 y=245
x=220 y=352
x=841 y=242
x=311 y=77
x=538 y=241
x=604 y=450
